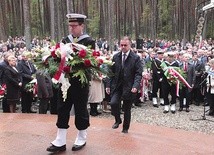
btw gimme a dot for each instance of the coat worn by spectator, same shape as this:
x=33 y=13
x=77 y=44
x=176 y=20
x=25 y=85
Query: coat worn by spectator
x=44 y=90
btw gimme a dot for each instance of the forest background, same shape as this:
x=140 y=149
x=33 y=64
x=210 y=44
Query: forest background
x=109 y=19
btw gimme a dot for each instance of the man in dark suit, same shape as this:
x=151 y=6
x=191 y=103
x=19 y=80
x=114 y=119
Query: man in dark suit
x=27 y=69
x=3 y=66
x=77 y=95
x=199 y=70
x=185 y=93
x=125 y=83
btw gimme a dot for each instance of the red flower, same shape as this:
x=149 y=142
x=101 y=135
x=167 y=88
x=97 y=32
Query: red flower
x=57 y=45
x=82 y=53
x=67 y=69
x=87 y=63
x=100 y=62
x=98 y=53
x=53 y=54
x=94 y=53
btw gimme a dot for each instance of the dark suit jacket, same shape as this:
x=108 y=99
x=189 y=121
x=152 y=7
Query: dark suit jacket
x=3 y=66
x=44 y=85
x=12 y=78
x=25 y=71
x=131 y=77
x=199 y=69
x=190 y=74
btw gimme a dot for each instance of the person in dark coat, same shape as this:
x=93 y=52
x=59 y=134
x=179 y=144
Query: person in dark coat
x=44 y=90
x=197 y=95
x=27 y=70
x=125 y=83
x=13 y=83
x=185 y=93
x=77 y=95
x=3 y=66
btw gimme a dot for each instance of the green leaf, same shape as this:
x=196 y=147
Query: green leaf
x=82 y=76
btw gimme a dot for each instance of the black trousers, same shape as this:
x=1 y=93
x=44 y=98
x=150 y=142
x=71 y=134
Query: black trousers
x=5 y=106
x=184 y=93
x=43 y=105
x=155 y=86
x=53 y=101
x=115 y=107
x=210 y=100
x=26 y=101
x=77 y=96
x=169 y=89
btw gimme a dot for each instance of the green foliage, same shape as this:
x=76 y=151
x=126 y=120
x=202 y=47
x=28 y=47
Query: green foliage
x=93 y=24
x=165 y=9
x=210 y=30
x=146 y=13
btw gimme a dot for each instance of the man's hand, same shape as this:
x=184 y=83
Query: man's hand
x=108 y=91
x=20 y=84
x=134 y=90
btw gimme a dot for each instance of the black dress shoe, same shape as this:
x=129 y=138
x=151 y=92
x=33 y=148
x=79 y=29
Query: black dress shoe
x=162 y=104
x=138 y=104
x=124 y=131
x=56 y=149
x=187 y=110
x=165 y=111
x=116 y=125
x=77 y=147
x=173 y=111
x=180 y=109
x=155 y=105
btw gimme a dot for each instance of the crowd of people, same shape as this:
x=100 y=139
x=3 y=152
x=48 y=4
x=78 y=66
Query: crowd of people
x=165 y=72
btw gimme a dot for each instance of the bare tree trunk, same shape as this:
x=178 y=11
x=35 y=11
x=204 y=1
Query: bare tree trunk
x=70 y=6
x=154 y=20
x=110 y=25
x=47 y=16
x=2 y=27
x=102 y=19
x=41 y=31
x=27 y=31
x=185 y=23
x=53 y=19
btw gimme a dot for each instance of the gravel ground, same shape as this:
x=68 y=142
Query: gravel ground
x=180 y=120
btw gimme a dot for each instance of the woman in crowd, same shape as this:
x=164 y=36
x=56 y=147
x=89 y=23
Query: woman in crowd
x=13 y=83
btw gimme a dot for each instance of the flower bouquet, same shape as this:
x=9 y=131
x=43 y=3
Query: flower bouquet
x=31 y=86
x=2 y=90
x=175 y=75
x=71 y=60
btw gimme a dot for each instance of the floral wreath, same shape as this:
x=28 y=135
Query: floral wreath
x=64 y=61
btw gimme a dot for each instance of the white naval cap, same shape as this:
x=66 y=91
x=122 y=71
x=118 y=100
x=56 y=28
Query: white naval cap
x=75 y=17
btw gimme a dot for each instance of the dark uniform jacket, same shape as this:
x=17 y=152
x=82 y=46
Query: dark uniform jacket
x=157 y=72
